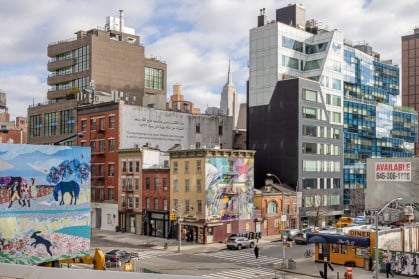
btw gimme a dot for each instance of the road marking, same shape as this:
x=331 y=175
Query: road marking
x=245 y=273
x=243 y=257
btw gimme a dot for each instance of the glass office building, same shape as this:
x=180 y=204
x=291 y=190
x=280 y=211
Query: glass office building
x=374 y=126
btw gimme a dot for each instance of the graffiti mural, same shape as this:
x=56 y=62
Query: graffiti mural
x=44 y=203
x=229 y=188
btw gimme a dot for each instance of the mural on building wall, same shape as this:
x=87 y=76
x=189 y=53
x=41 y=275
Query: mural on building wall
x=229 y=188
x=44 y=203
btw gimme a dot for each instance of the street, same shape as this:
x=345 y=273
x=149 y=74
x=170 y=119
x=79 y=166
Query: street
x=216 y=260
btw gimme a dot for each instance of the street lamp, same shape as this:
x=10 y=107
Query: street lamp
x=376 y=234
x=179 y=220
x=282 y=213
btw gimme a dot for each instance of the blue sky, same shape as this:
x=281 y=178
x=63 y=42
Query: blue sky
x=195 y=38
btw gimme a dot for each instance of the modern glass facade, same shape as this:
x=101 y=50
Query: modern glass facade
x=373 y=126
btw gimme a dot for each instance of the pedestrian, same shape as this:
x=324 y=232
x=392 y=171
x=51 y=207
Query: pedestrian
x=256 y=250
x=388 y=268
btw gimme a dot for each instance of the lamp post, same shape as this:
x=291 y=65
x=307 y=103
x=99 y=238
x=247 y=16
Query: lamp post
x=376 y=233
x=282 y=213
x=179 y=220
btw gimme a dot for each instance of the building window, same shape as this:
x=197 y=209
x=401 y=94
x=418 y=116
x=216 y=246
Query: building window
x=137 y=202
x=137 y=166
x=310 y=95
x=186 y=166
x=67 y=121
x=111 y=145
x=310 y=113
x=175 y=185
x=137 y=183
x=102 y=146
x=153 y=78
x=35 y=126
x=175 y=167
x=130 y=166
x=199 y=206
x=147 y=203
x=111 y=169
x=187 y=205
x=165 y=183
x=186 y=185
x=111 y=121
x=93 y=146
x=147 y=183
x=50 y=124
x=84 y=125
x=175 y=203
x=101 y=170
x=198 y=166
x=156 y=183
x=198 y=128
x=198 y=186
x=124 y=166
x=102 y=124
x=335 y=248
x=272 y=207
x=344 y=249
x=165 y=204
x=101 y=194
x=111 y=194
x=156 y=203
x=290 y=62
x=92 y=124
x=220 y=130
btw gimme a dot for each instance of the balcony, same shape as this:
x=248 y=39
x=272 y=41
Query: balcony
x=53 y=66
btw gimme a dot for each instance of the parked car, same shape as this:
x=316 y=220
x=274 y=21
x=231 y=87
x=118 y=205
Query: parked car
x=290 y=233
x=117 y=256
x=239 y=242
x=300 y=238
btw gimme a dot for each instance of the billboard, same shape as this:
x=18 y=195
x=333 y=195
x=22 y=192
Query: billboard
x=393 y=171
x=44 y=203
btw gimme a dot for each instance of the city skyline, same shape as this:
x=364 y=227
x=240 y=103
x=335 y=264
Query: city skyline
x=195 y=39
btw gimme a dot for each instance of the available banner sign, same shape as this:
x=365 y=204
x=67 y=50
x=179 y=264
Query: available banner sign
x=393 y=171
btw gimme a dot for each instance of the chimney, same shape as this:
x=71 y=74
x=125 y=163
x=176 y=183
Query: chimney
x=121 y=22
x=262 y=18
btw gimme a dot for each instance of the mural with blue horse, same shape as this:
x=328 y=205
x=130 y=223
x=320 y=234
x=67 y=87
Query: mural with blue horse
x=71 y=187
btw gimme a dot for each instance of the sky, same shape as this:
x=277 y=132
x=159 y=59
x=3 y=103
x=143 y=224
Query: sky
x=196 y=39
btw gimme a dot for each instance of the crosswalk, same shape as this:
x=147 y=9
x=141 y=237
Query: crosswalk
x=145 y=254
x=245 y=273
x=245 y=258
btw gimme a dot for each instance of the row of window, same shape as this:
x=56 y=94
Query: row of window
x=63 y=120
x=154 y=78
x=274 y=208
x=321 y=131
x=98 y=123
x=186 y=166
x=187 y=185
x=316 y=113
x=317 y=201
x=321 y=149
x=321 y=166
x=321 y=183
x=299 y=46
x=187 y=207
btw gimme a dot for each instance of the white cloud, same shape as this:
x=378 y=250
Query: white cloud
x=195 y=38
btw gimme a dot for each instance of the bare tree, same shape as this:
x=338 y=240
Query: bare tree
x=356 y=200
x=316 y=205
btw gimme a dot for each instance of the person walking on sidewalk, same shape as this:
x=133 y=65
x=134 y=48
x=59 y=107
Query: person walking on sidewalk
x=256 y=250
x=388 y=268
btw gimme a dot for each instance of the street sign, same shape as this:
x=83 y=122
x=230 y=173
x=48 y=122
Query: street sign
x=283 y=218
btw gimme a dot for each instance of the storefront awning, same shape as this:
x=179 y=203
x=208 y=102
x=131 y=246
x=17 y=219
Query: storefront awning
x=338 y=239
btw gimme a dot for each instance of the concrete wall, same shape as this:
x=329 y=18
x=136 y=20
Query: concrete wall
x=34 y=272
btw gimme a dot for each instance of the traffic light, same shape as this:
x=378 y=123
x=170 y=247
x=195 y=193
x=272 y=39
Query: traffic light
x=172 y=216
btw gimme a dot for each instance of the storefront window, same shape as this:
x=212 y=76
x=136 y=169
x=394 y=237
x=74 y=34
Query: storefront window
x=344 y=249
x=335 y=248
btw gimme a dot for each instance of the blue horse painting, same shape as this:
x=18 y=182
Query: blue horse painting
x=71 y=187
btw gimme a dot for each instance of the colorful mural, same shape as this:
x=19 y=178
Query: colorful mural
x=44 y=203
x=229 y=188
